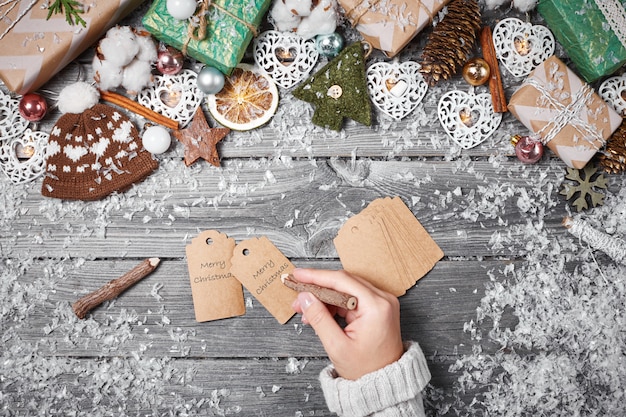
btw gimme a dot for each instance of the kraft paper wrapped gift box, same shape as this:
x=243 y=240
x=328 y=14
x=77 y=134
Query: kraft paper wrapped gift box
x=33 y=49
x=592 y=32
x=230 y=26
x=389 y=25
x=571 y=119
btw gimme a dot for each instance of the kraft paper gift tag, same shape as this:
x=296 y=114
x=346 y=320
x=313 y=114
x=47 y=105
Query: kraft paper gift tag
x=258 y=265
x=387 y=245
x=216 y=293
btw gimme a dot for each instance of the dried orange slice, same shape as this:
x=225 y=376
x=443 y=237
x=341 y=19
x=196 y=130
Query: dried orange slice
x=248 y=100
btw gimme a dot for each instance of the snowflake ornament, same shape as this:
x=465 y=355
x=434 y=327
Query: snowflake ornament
x=584 y=189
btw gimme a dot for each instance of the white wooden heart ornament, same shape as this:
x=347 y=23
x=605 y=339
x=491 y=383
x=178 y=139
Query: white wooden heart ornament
x=468 y=119
x=613 y=91
x=521 y=46
x=286 y=57
x=175 y=96
x=11 y=123
x=32 y=146
x=396 y=88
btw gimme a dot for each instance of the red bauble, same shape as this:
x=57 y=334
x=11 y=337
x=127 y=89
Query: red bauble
x=33 y=107
x=170 y=61
x=528 y=150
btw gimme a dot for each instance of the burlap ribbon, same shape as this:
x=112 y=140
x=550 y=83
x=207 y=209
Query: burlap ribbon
x=567 y=114
x=355 y=14
x=198 y=31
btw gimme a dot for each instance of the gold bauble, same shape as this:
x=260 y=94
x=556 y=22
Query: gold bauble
x=476 y=71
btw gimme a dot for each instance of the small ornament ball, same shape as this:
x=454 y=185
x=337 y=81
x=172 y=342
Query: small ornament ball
x=170 y=61
x=476 y=71
x=210 y=80
x=33 y=107
x=156 y=139
x=329 y=45
x=527 y=149
x=181 y=9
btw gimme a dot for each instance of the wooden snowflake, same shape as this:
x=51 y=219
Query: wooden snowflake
x=583 y=191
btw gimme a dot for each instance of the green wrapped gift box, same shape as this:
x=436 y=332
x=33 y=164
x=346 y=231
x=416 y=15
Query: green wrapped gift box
x=590 y=39
x=230 y=28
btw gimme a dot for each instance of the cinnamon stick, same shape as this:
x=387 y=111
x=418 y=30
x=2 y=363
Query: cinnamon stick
x=496 y=88
x=138 y=109
x=114 y=287
x=325 y=295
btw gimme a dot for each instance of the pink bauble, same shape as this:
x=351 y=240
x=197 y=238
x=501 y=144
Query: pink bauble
x=170 y=61
x=528 y=149
x=33 y=107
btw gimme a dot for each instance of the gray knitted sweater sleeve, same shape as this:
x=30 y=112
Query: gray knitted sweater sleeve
x=393 y=391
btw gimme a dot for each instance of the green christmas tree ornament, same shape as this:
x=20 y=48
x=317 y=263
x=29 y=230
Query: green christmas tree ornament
x=339 y=90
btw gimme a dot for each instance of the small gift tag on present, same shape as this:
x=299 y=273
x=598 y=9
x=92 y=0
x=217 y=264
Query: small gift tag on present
x=216 y=292
x=258 y=265
x=387 y=245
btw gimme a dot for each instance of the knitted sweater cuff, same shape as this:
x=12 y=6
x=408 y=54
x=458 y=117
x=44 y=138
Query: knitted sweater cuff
x=392 y=386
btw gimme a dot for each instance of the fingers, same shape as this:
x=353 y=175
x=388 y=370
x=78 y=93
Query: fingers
x=317 y=316
x=337 y=280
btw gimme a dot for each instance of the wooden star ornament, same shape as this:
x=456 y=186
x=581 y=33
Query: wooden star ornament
x=200 y=140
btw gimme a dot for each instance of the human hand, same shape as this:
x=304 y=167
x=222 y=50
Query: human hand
x=371 y=339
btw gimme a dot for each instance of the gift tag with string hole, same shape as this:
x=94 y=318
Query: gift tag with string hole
x=386 y=245
x=216 y=292
x=258 y=265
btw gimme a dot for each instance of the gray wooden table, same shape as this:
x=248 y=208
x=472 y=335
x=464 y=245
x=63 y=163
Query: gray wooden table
x=144 y=353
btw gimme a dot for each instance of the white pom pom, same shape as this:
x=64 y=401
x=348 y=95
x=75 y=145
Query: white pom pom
x=137 y=75
x=147 y=48
x=321 y=21
x=107 y=75
x=283 y=19
x=76 y=98
x=119 y=46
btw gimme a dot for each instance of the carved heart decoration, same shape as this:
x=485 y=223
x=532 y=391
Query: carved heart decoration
x=613 y=91
x=396 y=88
x=521 y=46
x=286 y=57
x=468 y=119
x=24 y=159
x=175 y=96
x=11 y=123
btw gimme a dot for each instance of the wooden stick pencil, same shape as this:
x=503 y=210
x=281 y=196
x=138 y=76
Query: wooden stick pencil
x=114 y=287
x=325 y=295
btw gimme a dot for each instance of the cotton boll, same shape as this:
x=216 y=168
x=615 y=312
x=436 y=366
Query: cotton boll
x=298 y=7
x=137 y=75
x=282 y=18
x=107 y=75
x=321 y=21
x=524 y=5
x=147 y=48
x=119 y=46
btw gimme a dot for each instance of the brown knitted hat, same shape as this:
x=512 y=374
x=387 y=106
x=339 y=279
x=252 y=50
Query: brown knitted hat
x=94 y=153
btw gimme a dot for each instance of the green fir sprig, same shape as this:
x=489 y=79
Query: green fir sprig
x=71 y=8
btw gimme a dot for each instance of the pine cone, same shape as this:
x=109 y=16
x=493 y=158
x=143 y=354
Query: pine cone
x=613 y=158
x=451 y=41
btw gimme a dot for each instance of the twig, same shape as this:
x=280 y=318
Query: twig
x=137 y=108
x=325 y=295
x=114 y=287
x=496 y=88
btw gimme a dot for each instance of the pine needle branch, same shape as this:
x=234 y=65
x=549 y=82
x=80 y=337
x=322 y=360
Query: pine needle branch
x=72 y=10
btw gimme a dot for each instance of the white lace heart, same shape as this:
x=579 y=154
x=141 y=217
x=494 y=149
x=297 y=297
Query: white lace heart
x=468 y=119
x=521 y=46
x=286 y=57
x=395 y=88
x=613 y=91
x=23 y=159
x=175 y=96
x=11 y=123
